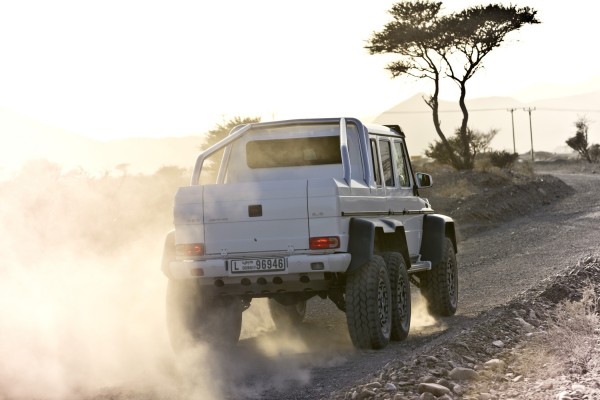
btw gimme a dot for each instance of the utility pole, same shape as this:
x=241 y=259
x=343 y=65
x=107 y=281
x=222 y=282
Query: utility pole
x=512 y=117
x=529 y=110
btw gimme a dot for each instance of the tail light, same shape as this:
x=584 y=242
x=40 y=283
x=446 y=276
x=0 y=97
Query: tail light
x=324 y=242
x=189 y=249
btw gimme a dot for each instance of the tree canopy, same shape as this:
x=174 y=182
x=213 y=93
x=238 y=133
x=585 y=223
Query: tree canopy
x=221 y=131
x=435 y=46
x=579 y=142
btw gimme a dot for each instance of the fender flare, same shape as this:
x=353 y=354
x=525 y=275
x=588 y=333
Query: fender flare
x=362 y=232
x=436 y=228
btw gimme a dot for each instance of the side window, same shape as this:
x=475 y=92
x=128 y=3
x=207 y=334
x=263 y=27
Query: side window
x=354 y=150
x=375 y=158
x=386 y=161
x=400 y=161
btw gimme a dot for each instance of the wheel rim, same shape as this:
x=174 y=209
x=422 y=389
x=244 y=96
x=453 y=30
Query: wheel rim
x=383 y=305
x=451 y=280
x=402 y=296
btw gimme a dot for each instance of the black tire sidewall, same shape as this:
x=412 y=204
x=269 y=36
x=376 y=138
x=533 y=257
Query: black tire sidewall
x=363 y=305
x=401 y=313
x=441 y=296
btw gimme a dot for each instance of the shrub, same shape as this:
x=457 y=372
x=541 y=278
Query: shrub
x=569 y=340
x=503 y=159
x=595 y=152
x=478 y=143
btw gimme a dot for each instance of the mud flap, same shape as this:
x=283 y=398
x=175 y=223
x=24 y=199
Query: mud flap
x=361 y=242
x=436 y=228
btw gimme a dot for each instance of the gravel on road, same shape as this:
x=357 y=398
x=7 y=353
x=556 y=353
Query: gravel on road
x=531 y=238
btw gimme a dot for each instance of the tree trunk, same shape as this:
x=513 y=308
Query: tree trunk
x=467 y=157
x=434 y=105
x=586 y=154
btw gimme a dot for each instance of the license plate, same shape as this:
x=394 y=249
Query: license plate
x=258 y=265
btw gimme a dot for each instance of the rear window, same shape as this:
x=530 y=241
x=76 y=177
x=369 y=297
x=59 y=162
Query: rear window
x=293 y=152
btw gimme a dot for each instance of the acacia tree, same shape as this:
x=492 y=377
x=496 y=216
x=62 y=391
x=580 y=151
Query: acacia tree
x=415 y=34
x=433 y=46
x=579 y=142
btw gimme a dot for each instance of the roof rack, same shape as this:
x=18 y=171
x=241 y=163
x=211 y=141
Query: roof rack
x=395 y=128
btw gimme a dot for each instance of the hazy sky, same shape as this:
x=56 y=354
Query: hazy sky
x=108 y=69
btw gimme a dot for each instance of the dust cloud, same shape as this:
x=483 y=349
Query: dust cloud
x=81 y=294
x=264 y=359
x=72 y=324
x=82 y=297
x=420 y=317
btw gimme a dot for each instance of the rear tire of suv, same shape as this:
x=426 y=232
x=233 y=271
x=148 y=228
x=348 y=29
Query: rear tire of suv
x=440 y=284
x=287 y=316
x=401 y=304
x=193 y=318
x=369 y=305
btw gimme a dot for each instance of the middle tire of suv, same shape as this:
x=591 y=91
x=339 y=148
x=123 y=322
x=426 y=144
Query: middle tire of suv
x=401 y=304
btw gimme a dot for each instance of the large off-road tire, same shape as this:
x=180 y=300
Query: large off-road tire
x=369 y=305
x=287 y=316
x=193 y=318
x=440 y=284
x=400 y=285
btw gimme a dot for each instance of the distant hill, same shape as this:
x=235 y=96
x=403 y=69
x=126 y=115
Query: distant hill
x=149 y=154
x=23 y=139
x=552 y=121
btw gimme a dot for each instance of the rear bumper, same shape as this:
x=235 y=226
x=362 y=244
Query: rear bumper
x=300 y=275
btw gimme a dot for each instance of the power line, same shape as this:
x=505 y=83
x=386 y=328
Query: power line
x=442 y=111
x=567 y=110
x=492 y=109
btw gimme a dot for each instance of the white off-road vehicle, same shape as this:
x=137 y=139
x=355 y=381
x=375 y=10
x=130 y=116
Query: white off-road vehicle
x=290 y=210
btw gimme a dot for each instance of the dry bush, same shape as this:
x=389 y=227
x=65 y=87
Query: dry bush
x=483 y=164
x=460 y=189
x=521 y=168
x=495 y=159
x=572 y=336
x=524 y=168
x=568 y=343
x=503 y=159
x=424 y=164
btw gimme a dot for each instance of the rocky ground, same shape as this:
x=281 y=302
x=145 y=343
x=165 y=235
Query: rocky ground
x=543 y=344
x=508 y=355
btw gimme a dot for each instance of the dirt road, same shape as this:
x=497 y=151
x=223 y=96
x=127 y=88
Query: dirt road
x=319 y=362
x=495 y=266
